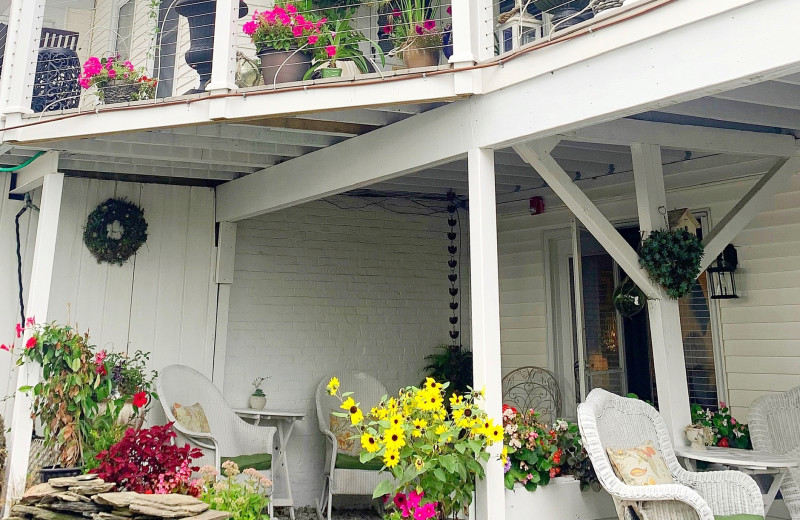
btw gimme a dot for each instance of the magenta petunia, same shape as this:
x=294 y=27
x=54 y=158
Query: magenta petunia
x=429 y=25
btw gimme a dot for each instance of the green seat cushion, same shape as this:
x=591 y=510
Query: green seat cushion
x=259 y=461
x=739 y=517
x=353 y=462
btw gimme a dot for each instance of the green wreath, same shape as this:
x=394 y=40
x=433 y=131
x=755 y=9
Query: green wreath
x=672 y=259
x=114 y=231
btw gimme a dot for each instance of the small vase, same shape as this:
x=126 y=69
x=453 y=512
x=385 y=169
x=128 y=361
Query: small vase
x=696 y=437
x=257 y=402
x=331 y=72
x=415 y=58
x=283 y=66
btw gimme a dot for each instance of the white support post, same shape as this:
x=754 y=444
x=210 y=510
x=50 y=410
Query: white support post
x=472 y=32
x=38 y=302
x=223 y=61
x=485 y=285
x=226 y=254
x=538 y=155
x=21 y=53
x=754 y=201
x=665 y=321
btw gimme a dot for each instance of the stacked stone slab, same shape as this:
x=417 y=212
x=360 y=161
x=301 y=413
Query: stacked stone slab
x=88 y=497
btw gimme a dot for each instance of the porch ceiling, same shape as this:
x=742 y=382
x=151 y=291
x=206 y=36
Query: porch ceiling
x=212 y=154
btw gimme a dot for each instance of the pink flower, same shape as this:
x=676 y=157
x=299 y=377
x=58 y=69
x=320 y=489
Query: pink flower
x=388 y=28
x=112 y=73
x=297 y=31
x=291 y=9
x=101 y=369
x=30 y=321
x=414 y=498
x=418 y=28
x=100 y=357
x=92 y=66
x=128 y=65
x=450 y=9
x=396 y=13
x=402 y=504
x=84 y=81
x=284 y=18
x=250 y=27
x=430 y=25
x=30 y=343
x=20 y=329
x=331 y=50
x=5 y=347
x=425 y=512
x=313 y=39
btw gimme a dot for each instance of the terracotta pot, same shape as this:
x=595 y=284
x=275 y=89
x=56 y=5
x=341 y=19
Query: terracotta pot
x=283 y=66
x=415 y=58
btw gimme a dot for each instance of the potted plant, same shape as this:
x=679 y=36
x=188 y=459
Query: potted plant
x=726 y=431
x=132 y=381
x=412 y=28
x=433 y=454
x=258 y=400
x=338 y=41
x=117 y=81
x=282 y=36
x=245 y=498
x=672 y=259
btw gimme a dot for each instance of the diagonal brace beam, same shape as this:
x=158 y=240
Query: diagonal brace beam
x=538 y=155
x=754 y=201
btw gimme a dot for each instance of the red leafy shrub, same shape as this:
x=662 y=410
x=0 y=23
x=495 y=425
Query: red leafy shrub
x=146 y=461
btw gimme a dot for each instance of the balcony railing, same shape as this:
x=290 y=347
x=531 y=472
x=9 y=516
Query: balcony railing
x=106 y=52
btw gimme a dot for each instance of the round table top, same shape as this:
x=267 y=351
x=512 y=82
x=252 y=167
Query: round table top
x=737 y=457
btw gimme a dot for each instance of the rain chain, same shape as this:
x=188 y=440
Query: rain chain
x=453 y=263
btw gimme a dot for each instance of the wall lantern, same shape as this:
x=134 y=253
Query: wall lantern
x=721 y=277
x=517 y=28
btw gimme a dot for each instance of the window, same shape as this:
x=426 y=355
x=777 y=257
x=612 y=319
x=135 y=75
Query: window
x=124 y=40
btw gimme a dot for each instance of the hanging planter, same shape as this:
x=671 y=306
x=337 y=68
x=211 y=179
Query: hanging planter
x=114 y=231
x=672 y=259
x=628 y=299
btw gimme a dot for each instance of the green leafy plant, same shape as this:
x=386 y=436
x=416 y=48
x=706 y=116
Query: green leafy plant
x=672 y=259
x=427 y=449
x=245 y=499
x=451 y=363
x=338 y=41
x=727 y=431
x=130 y=374
x=534 y=453
x=411 y=24
x=258 y=392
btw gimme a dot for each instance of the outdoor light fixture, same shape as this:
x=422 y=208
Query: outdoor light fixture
x=516 y=29
x=721 y=277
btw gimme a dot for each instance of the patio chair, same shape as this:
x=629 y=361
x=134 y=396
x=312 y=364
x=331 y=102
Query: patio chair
x=536 y=388
x=229 y=437
x=775 y=428
x=610 y=421
x=342 y=473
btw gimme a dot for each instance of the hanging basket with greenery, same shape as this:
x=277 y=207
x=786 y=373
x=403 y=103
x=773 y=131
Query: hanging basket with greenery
x=672 y=259
x=628 y=299
x=115 y=230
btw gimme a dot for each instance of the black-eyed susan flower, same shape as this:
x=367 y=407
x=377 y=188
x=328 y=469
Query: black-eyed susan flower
x=369 y=442
x=394 y=438
x=333 y=386
x=419 y=464
x=391 y=458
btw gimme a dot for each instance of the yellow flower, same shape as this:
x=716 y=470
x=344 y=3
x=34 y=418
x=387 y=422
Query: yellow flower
x=333 y=386
x=348 y=404
x=504 y=455
x=394 y=438
x=441 y=429
x=391 y=458
x=419 y=426
x=456 y=399
x=430 y=399
x=380 y=412
x=396 y=421
x=369 y=443
x=419 y=464
x=356 y=417
x=494 y=434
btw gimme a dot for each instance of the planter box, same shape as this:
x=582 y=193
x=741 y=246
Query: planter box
x=561 y=499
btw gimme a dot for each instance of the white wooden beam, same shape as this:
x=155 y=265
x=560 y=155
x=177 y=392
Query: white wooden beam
x=223 y=65
x=737 y=112
x=685 y=137
x=32 y=176
x=485 y=298
x=665 y=323
x=226 y=255
x=538 y=155
x=754 y=201
x=38 y=307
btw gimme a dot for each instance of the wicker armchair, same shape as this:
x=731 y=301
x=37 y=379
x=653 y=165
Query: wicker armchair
x=230 y=435
x=339 y=481
x=775 y=428
x=610 y=421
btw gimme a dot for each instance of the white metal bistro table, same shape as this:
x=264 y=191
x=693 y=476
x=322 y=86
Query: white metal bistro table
x=750 y=462
x=284 y=420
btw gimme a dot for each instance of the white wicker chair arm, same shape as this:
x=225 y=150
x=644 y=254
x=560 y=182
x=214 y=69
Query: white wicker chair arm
x=729 y=492
x=334 y=447
x=662 y=493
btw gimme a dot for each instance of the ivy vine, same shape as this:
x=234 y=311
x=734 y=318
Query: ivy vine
x=672 y=259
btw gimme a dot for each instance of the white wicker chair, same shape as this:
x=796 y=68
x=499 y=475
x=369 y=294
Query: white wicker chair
x=610 y=421
x=775 y=427
x=367 y=391
x=230 y=435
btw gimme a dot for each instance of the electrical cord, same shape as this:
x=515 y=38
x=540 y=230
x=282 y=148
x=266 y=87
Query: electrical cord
x=28 y=205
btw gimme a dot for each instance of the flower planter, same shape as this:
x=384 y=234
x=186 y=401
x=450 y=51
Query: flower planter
x=257 y=402
x=415 y=58
x=47 y=473
x=283 y=66
x=562 y=498
x=118 y=92
x=331 y=72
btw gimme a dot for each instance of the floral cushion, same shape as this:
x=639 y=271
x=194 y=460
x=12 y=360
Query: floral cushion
x=640 y=466
x=347 y=436
x=193 y=417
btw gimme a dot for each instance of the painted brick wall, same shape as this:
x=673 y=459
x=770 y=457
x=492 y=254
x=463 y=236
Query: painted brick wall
x=320 y=290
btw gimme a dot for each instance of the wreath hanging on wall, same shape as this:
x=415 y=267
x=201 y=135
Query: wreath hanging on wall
x=672 y=259
x=115 y=230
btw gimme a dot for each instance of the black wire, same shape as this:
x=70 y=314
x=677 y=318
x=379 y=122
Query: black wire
x=19 y=266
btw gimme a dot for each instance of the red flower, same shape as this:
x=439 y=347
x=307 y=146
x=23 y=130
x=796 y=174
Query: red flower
x=101 y=369
x=139 y=399
x=723 y=442
x=31 y=342
x=554 y=472
x=5 y=347
x=20 y=328
x=388 y=28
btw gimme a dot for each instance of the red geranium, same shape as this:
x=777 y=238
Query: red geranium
x=31 y=342
x=139 y=399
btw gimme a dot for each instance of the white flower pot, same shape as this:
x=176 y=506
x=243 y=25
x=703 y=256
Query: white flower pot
x=561 y=499
x=257 y=402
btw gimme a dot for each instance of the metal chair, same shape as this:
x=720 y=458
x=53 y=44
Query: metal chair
x=533 y=387
x=775 y=428
x=607 y=420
